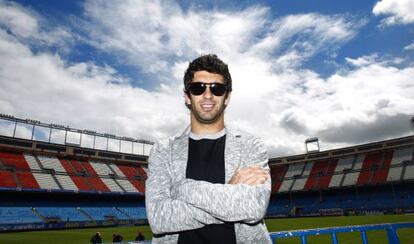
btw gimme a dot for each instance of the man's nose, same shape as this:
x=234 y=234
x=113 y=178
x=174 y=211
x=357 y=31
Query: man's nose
x=207 y=93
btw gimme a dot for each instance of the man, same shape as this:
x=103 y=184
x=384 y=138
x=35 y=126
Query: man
x=210 y=184
x=117 y=238
x=140 y=237
x=96 y=238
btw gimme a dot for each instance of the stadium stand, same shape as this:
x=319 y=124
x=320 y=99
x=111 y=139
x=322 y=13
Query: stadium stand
x=104 y=213
x=27 y=180
x=32 y=161
x=66 y=182
x=278 y=173
x=51 y=163
x=344 y=164
x=356 y=182
x=14 y=161
x=60 y=213
x=134 y=175
x=134 y=212
x=65 y=185
x=321 y=174
x=17 y=215
x=7 y=179
x=46 y=181
x=127 y=185
x=59 y=190
x=112 y=185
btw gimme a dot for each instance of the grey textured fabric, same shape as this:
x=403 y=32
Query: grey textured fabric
x=175 y=204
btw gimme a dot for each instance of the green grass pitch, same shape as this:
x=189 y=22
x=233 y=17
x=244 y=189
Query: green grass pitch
x=79 y=236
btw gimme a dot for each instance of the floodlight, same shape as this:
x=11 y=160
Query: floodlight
x=312 y=144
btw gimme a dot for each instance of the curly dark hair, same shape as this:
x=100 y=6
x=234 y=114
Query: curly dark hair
x=210 y=63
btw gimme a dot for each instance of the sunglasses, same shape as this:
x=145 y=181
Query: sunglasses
x=198 y=88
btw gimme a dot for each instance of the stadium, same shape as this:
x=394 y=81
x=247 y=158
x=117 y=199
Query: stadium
x=320 y=90
x=60 y=184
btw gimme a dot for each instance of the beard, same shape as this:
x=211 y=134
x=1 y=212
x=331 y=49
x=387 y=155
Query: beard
x=208 y=117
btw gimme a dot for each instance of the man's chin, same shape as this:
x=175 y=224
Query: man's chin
x=207 y=119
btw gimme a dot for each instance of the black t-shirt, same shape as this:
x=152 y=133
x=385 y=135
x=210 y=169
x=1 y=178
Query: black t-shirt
x=206 y=162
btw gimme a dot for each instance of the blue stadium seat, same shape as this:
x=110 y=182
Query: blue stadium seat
x=104 y=213
x=63 y=213
x=134 y=212
x=17 y=215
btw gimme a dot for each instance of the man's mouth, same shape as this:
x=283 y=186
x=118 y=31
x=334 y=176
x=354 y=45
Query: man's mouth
x=207 y=107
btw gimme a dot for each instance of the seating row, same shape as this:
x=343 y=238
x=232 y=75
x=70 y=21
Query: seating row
x=48 y=172
x=38 y=214
x=29 y=171
x=385 y=198
x=363 y=169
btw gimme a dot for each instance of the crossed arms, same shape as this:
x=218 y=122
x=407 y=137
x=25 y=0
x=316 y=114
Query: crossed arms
x=192 y=204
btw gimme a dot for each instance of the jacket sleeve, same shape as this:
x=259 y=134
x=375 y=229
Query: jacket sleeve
x=166 y=214
x=228 y=202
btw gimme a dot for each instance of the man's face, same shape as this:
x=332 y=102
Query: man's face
x=207 y=108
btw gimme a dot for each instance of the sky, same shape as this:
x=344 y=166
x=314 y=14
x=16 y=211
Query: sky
x=341 y=71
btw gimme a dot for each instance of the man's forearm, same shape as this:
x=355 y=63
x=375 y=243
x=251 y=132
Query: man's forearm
x=169 y=216
x=165 y=213
x=227 y=202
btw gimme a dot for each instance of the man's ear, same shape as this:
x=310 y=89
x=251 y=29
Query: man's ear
x=187 y=101
x=227 y=99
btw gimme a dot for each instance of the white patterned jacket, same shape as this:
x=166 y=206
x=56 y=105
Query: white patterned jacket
x=175 y=204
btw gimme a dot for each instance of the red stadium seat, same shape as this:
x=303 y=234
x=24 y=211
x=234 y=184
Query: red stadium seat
x=15 y=160
x=6 y=179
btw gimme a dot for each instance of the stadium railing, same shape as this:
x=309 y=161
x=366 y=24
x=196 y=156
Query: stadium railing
x=302 y=234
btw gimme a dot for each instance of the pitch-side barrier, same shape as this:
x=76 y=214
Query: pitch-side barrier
x=391 y=229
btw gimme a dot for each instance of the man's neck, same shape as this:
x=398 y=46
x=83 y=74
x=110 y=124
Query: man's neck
x=200 y=128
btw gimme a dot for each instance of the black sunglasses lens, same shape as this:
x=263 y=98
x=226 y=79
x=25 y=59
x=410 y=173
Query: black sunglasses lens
x=197 y=88
x=218 y=89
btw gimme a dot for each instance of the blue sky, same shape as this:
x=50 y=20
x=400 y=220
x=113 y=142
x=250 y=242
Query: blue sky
x=338 y=70
x=64 y=13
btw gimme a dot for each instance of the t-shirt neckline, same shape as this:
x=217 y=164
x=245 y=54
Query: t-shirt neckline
x=208 y=136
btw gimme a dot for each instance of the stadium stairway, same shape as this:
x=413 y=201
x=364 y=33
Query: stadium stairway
x=33 y=161
x=85 y=213
x=123 y=212
x=120 y=186
x=2 y=165
x=16 y=179
x=39 y=215
x=57 y=182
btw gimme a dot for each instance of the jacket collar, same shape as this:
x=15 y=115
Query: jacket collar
x=232 y=153
x=229 y=131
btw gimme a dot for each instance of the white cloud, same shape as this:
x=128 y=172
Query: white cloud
x=398 y=11
x=409 y=47
x=362 y=61
x=353 y=105
x=83 y=95
x=18 y=20
x=274 y=97
x=374 y=58
x=29 y=27
x=149 y=33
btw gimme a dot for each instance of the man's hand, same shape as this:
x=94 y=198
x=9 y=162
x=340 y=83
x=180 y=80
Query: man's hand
x=253 y=175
